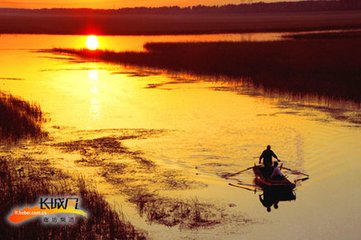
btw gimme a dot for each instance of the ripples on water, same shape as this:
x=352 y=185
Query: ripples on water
x=204 y=128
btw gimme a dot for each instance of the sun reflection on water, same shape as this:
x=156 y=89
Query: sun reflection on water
x=94 y=104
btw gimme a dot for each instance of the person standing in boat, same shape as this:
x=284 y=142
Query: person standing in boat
x=267 y=155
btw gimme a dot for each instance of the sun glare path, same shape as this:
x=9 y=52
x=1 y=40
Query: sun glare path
x=92 y=42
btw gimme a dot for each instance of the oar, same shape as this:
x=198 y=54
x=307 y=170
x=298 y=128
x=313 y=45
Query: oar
x=234 y=174
x=246 y=188
x=296 y=171
x=245 y=184
x=301 y=179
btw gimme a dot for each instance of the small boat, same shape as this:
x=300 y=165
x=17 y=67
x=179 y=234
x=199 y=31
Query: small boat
x=263 y=181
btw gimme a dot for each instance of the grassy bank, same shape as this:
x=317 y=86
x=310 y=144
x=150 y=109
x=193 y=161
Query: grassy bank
x=24 y=180
x=330 y=68
x=19 y=119
x=327 y=35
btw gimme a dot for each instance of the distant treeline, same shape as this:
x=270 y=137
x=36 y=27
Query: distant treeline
x=256 y=17
x=259 y=7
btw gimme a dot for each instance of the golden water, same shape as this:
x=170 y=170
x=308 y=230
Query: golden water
x=210 y=127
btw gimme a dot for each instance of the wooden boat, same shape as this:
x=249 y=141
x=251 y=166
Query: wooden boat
x=263 y=181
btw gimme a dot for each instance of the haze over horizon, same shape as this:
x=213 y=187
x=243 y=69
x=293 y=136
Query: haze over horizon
x=110 y=4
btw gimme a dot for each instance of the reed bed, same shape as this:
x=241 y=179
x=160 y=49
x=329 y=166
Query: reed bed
x=26 y=186
x=330 y=68
x=19 y=119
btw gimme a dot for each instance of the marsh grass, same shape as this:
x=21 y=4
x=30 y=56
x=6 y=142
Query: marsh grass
x=327 y=35
x=26 y=186
x=19 y=119
x=189 y=214
x=141 y=181
x=330 y=68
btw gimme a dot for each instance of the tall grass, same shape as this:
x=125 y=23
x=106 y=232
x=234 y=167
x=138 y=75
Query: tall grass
x=25 y=187
x=330 y=68
x=327 y=35
x=19 y=119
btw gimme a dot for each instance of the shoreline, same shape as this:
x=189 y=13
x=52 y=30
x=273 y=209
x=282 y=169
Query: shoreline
x=328 y=68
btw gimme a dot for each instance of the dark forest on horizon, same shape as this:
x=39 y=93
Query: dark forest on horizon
x=258 y=7
x=255 y=17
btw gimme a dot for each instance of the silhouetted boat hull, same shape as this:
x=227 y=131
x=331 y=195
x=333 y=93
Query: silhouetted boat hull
x=266 y=183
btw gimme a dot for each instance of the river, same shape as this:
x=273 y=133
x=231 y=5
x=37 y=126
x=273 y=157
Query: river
x=200 y=128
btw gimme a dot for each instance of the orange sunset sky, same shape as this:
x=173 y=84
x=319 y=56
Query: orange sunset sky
x=116 y=3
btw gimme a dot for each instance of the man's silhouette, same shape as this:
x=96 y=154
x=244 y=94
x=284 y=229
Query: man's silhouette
x=267 y=157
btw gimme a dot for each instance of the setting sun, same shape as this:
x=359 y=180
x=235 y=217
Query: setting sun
x=92 y=42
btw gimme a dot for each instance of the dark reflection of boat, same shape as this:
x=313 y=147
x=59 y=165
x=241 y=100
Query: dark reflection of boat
x=273 y=191
x=270 y=184
x=271 y=197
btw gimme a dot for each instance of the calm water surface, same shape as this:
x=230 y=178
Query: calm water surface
x=121 y=43
x=210 y=128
